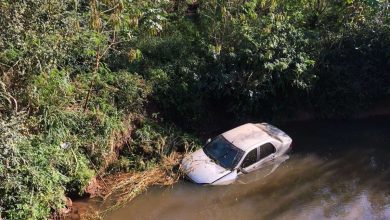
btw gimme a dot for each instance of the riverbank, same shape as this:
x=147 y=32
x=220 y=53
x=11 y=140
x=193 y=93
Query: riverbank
x=124 y=187
x=377 y=109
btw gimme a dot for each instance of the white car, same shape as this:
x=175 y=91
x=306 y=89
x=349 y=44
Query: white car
x=235 y=152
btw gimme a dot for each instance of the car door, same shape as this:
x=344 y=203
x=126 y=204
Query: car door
x=267 y=152
x=250 y=160
x=258 y=156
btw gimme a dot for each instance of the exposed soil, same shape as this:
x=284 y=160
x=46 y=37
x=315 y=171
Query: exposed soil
x=124 y=187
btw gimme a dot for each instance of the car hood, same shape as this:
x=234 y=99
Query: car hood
x=201 y=169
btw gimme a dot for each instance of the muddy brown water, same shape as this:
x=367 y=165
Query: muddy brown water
x=337 y=170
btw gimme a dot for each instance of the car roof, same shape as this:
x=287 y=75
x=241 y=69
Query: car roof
x=246 y=136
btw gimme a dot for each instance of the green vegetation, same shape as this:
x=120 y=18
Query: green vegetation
x=101 y=86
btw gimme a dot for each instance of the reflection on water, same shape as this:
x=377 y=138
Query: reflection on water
x=337 y=170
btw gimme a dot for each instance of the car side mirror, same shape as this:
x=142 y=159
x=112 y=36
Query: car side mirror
x=242 y=170
x=208 y=141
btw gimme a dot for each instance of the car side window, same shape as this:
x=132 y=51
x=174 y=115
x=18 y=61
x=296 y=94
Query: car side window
x=250 y=158
x=266 y=150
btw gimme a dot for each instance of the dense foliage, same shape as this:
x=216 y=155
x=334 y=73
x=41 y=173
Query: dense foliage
x=88 y=87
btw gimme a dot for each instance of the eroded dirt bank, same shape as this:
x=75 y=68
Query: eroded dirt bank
x=123 y=187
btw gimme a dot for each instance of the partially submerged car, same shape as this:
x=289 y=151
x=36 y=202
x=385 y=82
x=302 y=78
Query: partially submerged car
x=236 y=152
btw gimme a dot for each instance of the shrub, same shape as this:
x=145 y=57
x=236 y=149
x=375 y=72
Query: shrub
x=353 y=71
x=151 y=142
x=30 y=184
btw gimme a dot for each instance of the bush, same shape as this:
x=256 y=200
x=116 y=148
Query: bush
x=58 y=149
x=150 y=142
x=353 y=72
x=33 y=174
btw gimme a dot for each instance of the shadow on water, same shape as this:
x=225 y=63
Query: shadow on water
x=338 y=169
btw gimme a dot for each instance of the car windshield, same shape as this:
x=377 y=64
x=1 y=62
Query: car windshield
x=223 y=153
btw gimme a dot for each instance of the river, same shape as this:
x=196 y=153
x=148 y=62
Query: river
x=336 y=170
